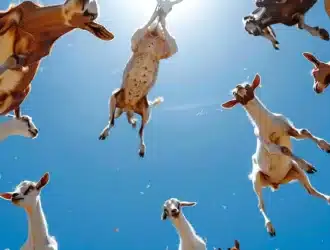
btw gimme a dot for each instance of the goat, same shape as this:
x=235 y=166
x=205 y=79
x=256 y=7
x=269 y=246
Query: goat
x=235 y=247
x=27 y=196
x=286 y=12
x=320 y=72
x=189 y=240
x=23 y=126
x=274 y=163
x=27 y=34
x=149 y=46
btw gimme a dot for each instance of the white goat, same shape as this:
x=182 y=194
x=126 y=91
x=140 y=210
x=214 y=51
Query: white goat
x=189 y=240
x=273 y=162
x=27 y=196
x=22 y=126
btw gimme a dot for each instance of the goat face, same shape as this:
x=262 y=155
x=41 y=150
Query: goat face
x=320 y=72
x=82 y=14
x=25 y=126
x=243 y=93
x=172 y=208
x=27 y=193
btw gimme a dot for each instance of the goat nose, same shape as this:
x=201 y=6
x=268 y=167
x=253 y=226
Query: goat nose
x=174 y=210
x=317 y=90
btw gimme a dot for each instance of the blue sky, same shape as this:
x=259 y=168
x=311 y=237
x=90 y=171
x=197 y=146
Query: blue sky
x=195 y=151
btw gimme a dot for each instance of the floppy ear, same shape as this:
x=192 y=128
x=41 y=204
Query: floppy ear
x=6 y=196
x=256 y=81
x=237 y=244
x=163 y=216
x=229 y=104
x=187 y=204
x=310 y=57
x=99 y=31
x=43 y=181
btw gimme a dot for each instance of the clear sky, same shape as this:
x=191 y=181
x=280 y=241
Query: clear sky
x=195 y=151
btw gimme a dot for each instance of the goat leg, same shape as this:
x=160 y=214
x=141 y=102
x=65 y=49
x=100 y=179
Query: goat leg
x=258 y=183
x=314 y=31
x=297 y=174
x=145 y=118
x=273 y=148
x=301 y=134
x=112 y=106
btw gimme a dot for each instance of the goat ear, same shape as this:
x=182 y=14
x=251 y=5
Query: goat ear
x=310 y=57
x=6 y=196
x=163 y=216
x=99 y=31
x=237 y=244
x=43 y=181
x=256 y=81
x=187 y=203
x=229 y=104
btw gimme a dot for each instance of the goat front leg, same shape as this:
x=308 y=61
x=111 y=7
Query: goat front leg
x=273 y=148
x=269 y=34
x=259 y=182
x=301 y=134
x=297 y=174
x=112 y=109
x=314 y=31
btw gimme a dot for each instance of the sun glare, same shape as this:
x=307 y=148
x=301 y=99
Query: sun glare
x=184 y=11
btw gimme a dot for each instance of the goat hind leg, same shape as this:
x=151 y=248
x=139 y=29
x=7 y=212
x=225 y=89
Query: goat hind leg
x=297 y=174
x=258 y=183
x=314 y=31
x=112 y=103
x=145 y=117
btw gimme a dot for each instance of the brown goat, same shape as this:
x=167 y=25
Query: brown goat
x=27 y=34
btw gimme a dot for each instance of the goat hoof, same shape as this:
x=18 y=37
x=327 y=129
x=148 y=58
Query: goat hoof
x=311 y=170
x=134 y=125
x=141 y=154
x=103 y=136
x=324 y=34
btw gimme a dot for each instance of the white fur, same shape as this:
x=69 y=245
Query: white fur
x=27 y=196
x=189 y=240
x=17 y=127
x=274 y=163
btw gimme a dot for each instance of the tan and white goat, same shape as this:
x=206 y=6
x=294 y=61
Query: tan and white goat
x=150 y=44
x=27 y=196
x=320 y=72
x=274 y=163
x=27 y=34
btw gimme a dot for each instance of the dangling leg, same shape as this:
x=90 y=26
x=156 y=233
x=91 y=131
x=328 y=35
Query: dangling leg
x=258 y=182
x=112 y=109
x=314 y=31
x=144 y=110
x=269 y=34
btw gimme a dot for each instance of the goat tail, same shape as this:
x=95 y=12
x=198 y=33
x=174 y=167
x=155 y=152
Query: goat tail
x=156 y=101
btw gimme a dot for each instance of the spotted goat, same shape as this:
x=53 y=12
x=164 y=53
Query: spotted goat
x=149 y=44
